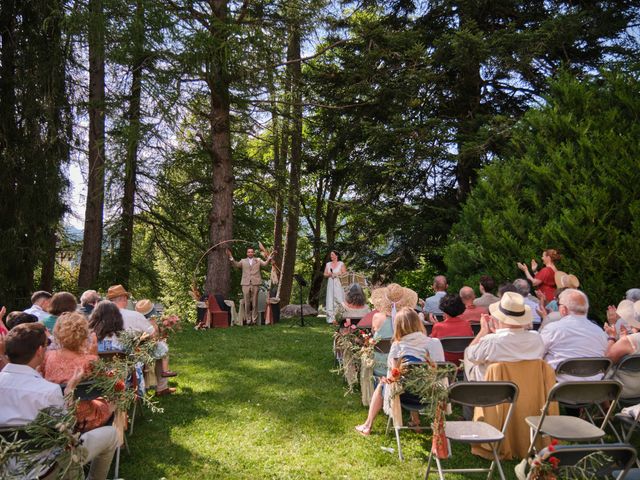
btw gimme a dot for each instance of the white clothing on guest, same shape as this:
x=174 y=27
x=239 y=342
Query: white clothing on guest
x=23 y=393
x=432 y=304
x=38 y=312
x=533 y=305
x=573 y=336
x=505 y=345
x=335 y=292
x=418 y=345
x=135 y=321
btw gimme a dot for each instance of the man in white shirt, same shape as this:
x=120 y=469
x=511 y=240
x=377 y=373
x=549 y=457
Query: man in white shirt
x=24 y=393
x=508 y=341
x=137 y=322
x=574 y=335
x=39 y=305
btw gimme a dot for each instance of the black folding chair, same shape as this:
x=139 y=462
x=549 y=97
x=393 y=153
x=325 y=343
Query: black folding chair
x=476 y=328
x=627 y=372
x=570 y=428
x=478 y=394
x=621 y=457
x=456 y=345
x=584 y=367
x=382 y=346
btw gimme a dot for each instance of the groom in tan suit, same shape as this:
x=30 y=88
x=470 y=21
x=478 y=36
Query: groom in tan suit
x=251 y=281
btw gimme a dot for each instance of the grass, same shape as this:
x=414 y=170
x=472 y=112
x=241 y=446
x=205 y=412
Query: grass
x=262 y=402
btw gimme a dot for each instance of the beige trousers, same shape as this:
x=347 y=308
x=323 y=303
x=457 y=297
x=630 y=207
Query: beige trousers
x=250 y=294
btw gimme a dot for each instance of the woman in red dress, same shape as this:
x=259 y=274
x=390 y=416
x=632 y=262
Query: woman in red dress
x=543 y=280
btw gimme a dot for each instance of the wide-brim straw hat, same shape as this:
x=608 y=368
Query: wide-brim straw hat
x=512 y=310
x=144 y=307
x=116 y=291
x=565 y=280
x=383 y=298
x=627 y=312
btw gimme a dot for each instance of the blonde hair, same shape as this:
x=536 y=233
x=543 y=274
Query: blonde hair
x=407 y=321
x=71 y=331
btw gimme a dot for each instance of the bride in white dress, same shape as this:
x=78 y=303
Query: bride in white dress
x=335 y=292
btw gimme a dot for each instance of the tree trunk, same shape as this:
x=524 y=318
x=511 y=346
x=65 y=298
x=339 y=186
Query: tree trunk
x=92 y=242
x=293 y=197
x=280 y=149
x=221 y=216
x=319 y=257
x=125 y=247
x=47 y=276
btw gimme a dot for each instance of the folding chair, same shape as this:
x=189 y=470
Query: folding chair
x=477 y=394
x=456 y=345
x=476 y=328
x=584 y=367
x=412 y=403
x=622 y=457
x=569 y=428
x=627 y=372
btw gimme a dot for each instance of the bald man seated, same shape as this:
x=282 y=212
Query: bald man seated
x=472 y=313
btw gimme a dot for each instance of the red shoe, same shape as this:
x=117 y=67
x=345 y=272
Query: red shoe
x=169 y=373
x=166 y=391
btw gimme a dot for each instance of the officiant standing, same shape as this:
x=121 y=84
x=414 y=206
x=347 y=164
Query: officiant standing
x=335 y=293
x=250 y=282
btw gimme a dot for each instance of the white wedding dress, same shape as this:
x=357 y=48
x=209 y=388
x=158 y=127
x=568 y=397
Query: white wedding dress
x=335 y=292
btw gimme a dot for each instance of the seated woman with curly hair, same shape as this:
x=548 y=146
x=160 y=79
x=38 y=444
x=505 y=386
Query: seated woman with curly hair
x=59 y=366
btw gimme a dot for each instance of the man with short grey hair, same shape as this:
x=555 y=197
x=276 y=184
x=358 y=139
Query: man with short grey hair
x=524 y=289
x=432 y=303
x=633 y=294
x=574 y=335
x=88 y=301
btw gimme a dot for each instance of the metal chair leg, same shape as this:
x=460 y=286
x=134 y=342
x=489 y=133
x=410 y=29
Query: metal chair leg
x=426 y=475
x=497 y=462
x=439 y=465
x=398 y=442
x=116 y=470
x=386 y=432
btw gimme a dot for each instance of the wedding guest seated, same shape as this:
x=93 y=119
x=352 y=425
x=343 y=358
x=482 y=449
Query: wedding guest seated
x=432 y=303
x=524 y=289
x=471 y=312
x=147 y=308
x=503 y=337
x=133 y=320
x=454 y=325
x=388 y=300
x=39 y=304
x=574 y=335
x=106 y=323
x=60 y=303
x=24 y=393
x=88 y=301
x=59 y=366
x=621 y=317
x=487 y=287
x=411 y=345
x=629 y=341
x=633 y=294
x=355 y=304
x=17 y=318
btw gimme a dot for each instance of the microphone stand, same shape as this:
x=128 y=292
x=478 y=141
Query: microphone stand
x=301 y=283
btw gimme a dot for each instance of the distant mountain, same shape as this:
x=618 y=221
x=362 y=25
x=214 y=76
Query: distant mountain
x=73 y=234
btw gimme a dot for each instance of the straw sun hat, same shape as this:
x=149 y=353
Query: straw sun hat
x=627 y=311
x=144 y=307
x=564 y=280
x=511 y=310
x=383 y=298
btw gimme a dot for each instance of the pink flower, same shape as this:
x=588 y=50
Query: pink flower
x=353 y=327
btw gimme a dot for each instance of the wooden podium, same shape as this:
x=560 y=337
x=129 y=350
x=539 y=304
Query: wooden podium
x=218 y=318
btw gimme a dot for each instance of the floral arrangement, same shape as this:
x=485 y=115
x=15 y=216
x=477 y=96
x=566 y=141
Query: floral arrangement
x=546 y=466
x=140 y=346
x=49 y=437
x=352 y=347
x=430 y=383
x=109 y=380
x=168 y=326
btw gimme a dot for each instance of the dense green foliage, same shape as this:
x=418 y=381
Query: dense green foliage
x=570 y=183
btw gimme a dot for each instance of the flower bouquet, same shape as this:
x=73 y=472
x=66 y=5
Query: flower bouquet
x=168 y=326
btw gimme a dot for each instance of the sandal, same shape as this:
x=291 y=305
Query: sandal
x=363 y=430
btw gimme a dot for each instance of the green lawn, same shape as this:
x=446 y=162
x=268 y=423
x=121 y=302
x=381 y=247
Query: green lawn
x=262 y=402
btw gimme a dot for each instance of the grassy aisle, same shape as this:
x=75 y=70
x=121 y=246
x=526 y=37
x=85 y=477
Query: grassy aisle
x=261 y=402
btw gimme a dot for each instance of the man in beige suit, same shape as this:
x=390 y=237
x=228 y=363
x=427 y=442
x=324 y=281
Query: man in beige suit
x=251 y=281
